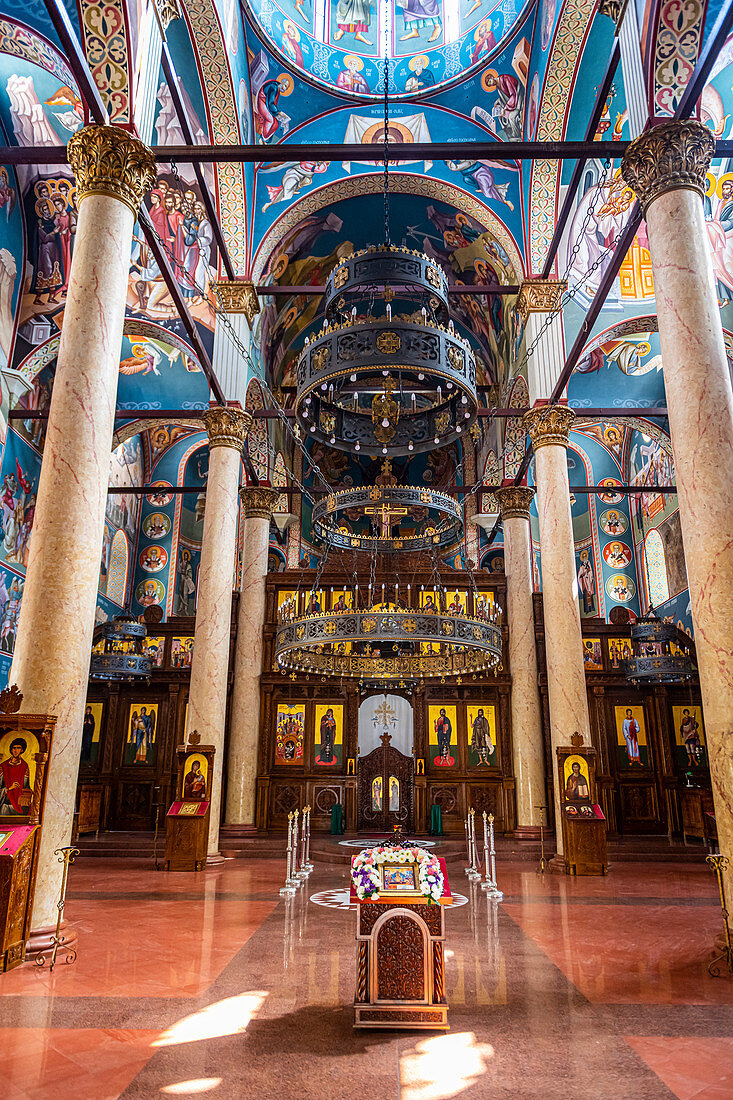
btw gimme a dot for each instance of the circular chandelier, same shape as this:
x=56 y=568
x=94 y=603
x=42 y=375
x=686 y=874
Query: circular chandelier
x=658 y=656
x=351 y=643
x=384 y=506
x=118 y=653
x=387 y=385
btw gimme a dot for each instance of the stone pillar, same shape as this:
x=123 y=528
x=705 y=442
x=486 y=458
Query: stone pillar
x=549 y=427
x=527 y=739
x=207 y=702
x=244 y=722
x=51 y=661
x=666 y=167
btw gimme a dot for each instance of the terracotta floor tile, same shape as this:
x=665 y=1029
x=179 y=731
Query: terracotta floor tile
x=694 y=1068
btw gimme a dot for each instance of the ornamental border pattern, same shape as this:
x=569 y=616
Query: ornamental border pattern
x=18 y=41
x=403 y=183
x=676 y=49
x=558 y=79
x=106 y=50
x=222 y=110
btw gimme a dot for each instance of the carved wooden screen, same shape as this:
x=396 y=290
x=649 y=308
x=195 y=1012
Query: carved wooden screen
x=385 y=786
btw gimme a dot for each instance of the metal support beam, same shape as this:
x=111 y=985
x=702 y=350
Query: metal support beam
x=316 y=291
x=569 y=198
x=180 y=108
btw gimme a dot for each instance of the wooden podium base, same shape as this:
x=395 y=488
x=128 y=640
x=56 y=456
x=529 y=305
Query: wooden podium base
x=410 y=1017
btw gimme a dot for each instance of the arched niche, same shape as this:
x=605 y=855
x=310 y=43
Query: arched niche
x=391 y=714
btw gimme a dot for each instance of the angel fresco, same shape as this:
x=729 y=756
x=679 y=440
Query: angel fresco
x=296 y=176
x=479 y=175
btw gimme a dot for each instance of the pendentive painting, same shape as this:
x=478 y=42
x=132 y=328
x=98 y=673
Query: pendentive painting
x=329 y=748
x=481 y=732
x=289 y=733
x=689 y=734
x=442 y=734
x=90 y=732
x=18 y=750
x=633 y=750
x=142 y=733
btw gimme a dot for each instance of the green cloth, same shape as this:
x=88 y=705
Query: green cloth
x=436 y=821
x=337 y=819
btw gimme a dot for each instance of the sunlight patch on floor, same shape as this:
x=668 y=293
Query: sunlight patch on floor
x=440 y=1068
x=192 y=1088
x=227 y=1017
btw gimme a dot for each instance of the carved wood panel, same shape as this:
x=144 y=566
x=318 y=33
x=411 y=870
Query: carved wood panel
x=373 y=810
x=401 y=960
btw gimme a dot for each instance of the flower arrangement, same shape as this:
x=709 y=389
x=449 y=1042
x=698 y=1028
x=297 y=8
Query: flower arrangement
x=366 y=877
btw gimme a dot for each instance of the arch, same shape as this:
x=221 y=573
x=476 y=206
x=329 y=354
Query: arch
x=401 y=183
x=119 y=560
x=655 y=568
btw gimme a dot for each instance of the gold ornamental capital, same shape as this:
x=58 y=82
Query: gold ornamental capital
x=106 y=160
x=239 y=297
x=549 y=424
x=259 y=501
x=168 y=10
x=540 y=296
x=227 y=426
x=614 y=9
x=514 y=501
x=668 y=157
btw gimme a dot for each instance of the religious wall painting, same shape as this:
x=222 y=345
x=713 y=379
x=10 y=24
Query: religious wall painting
x=142 y=734
x=586 y=582
x=153 y=558
x=11 y=596
x=160 y=498
x=342 y=599
x=184 y=603
x=154 y=647
x=430 y=601
x=182 y=651
x=329 y=735
x=455 y=601
x=481 y=736
x=576 y=787
x=608 y=496
x=18 y=749
x=156 y=526
x=21 y=468
x=150 y=593
x=289 y=733
x=91 y=731
x=483 y=604
x=617 y=555
x=621 y=588
x=315 y=602
x=613 y=523
x=125 y=469
x=633 y=750
x=592 y=655
x=442 y=734
x=288 y=596
x=619 y=650
x=689 y=734
x=377 y=785
x=195 y=776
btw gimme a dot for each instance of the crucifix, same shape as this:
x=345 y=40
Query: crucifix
x=387 y=514
x=384 y=714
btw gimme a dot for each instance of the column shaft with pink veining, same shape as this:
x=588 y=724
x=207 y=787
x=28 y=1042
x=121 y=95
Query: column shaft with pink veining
x=207 y=702
x=667 y=168
x=548 y=427
x=244 y=719
x=51 y=659
x=526 y=708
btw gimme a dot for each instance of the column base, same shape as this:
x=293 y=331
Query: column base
x=215 y=859
x=40 y=942
x=529 y=832
x=239 y=830
x=556 y=865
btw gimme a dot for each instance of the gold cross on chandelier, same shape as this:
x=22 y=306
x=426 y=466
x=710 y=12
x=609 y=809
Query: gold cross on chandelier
x=387 y=513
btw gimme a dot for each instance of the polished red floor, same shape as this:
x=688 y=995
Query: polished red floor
x=209 y=985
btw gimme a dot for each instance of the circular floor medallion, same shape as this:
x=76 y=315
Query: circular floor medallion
x=339 y=899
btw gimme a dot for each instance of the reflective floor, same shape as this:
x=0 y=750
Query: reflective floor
x=209 y=985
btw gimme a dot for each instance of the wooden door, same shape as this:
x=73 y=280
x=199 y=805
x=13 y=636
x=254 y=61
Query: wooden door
x=385 y=788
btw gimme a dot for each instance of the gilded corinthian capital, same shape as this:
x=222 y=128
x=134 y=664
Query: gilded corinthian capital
x=668 y=157
x=239 y=297
x=514 y=501
x=259 y=501
x=548 y=424
x=108 y=161
x=227 y=427
x=540 y=296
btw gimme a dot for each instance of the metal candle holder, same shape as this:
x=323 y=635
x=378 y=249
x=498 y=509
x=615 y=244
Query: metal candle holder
x=473 y=873
x=719 y=864
x=308 y=865
x=66 y=856
x=543 y=862
x=489 y=883
x=288 y=890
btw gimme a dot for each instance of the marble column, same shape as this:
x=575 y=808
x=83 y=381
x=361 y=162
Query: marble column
x=667 y=169
x=549 y=427
x=227 y=429
x=244 y=721
x=526 y=709
x=51 y=660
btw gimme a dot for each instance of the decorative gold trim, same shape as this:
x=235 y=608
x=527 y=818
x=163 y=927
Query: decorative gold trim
x=669 y=157
x=514 y=501
x=614 y=9
x=549 y=424
x=540 y=296
x=259 y=501
x=227 y=426
x=168 y=10
x=106 y=160
x=239 y=297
